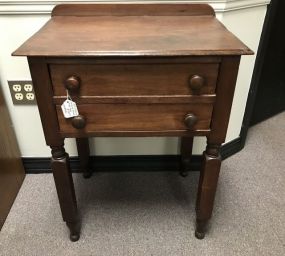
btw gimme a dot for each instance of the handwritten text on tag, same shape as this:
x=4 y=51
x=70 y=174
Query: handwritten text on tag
x=69 y=109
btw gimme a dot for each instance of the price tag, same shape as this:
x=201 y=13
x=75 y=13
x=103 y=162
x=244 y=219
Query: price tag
x=69 y=109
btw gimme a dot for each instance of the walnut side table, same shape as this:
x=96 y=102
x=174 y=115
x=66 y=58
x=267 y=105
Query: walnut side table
x=134 y=70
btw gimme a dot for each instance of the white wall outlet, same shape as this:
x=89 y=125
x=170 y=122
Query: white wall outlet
x=22 y=92
x=19 y=96
x=28 y=87
x=30 y=96
x=17 y=87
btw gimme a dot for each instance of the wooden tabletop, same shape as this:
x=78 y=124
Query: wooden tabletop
x=75 y=31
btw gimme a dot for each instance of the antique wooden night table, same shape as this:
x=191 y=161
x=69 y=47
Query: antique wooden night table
x=134 y=70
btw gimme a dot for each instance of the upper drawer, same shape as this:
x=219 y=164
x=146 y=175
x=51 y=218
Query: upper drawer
x=134 y=79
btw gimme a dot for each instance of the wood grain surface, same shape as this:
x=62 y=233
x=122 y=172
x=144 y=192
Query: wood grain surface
x=132 y=117
x=12 y=171
x=125 y=9
x=130 y=80
x=163 y=32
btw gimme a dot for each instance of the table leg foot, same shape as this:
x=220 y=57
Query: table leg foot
x=74 y=237
x=199 y=235
x=183 y=173
x=201 y=227
x=74 y=228
x=87 y=174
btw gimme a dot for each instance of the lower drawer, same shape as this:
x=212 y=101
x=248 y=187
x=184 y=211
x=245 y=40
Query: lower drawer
x=137 y=117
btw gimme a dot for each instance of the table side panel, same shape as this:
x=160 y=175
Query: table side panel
x=44 y=95
x=225 y=92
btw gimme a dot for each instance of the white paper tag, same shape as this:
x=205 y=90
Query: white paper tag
x=69 y=109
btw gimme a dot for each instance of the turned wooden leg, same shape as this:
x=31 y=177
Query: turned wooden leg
x=65 y=190
x=84 y=156
x=207 y=188
x=186 y=146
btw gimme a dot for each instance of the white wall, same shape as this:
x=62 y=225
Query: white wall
x=247 y=25
x=20 y=19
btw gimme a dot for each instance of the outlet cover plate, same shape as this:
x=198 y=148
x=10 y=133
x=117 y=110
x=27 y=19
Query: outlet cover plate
x=22 y=92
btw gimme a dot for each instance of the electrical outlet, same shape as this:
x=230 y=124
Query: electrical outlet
x=17 y=87
x=19 y=96
x=30 y=96
x=22 y=92
x=28 y=87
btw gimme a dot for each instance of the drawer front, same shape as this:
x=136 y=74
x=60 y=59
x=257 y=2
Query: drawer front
x=137 y=117
x=135 y=79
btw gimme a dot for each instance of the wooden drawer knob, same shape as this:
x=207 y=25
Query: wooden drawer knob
x=190 y=120
x=72 y=83
x=196 y=82
x=78 y=122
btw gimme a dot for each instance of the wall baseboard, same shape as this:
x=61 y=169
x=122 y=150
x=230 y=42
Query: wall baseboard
x=232 y=147
x=131 y=163
x=128 y=163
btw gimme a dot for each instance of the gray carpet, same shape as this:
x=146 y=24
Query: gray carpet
x=153 y=213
